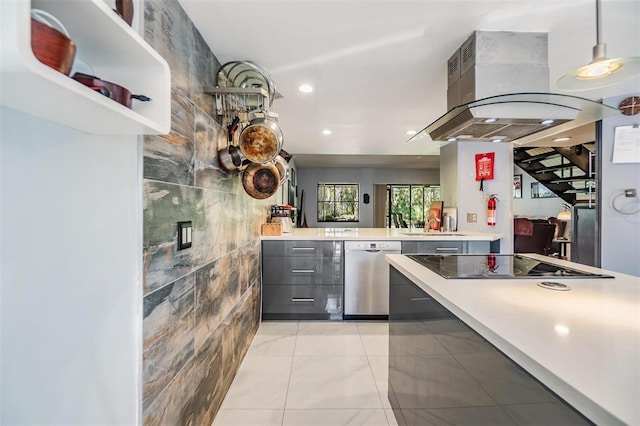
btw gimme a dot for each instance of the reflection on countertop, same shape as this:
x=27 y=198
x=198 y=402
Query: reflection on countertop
x=397 y=234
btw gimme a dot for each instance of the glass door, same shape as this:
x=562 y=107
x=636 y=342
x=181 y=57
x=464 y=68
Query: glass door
x=407 y=205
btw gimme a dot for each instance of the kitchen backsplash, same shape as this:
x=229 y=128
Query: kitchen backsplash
x=201 y=305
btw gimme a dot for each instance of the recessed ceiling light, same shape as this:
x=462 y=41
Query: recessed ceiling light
x=490 y=120
x=497 y=140
x=305 y=88
x=546 y=122
x=326 y=132
x=451 y=139
x=411 y=132
x=562 y=139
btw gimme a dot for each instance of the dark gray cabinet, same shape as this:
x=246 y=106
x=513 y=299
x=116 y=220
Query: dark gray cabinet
x=301 y=248
x=302 y=270
x=443 y=372
x=302 y=302
x=438 y=247
x=302 y=279
x=449 y=247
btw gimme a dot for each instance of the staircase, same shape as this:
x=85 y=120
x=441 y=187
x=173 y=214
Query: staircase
x=569 y=172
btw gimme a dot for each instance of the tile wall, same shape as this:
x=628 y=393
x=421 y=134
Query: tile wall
x=201 y=305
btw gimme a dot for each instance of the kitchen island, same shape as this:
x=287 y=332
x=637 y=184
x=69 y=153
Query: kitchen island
x=582 y=344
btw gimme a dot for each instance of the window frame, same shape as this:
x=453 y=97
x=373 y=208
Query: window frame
x=389 y=207
x=334 y=202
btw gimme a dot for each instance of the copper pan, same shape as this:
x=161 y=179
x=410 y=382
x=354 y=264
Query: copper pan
x=261 y=181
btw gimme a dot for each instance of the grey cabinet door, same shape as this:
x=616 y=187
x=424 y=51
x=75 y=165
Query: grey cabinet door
x=438 y=363
x=302 y=270
x=302 y=248
x=302 y=302
x=302 y=279
x=434 y=247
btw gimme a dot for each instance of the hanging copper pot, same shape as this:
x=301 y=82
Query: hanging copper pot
x=261 y=141
x=283 y=168
x=261 y=180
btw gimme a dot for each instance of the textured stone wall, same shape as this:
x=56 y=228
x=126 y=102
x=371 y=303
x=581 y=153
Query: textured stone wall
x=201 y=305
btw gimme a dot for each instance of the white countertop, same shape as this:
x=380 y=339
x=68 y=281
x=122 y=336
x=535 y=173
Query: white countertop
x=584 y=344
x=397 y=234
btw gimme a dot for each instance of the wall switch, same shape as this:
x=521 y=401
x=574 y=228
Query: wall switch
x=472 y=217
x=184 y=235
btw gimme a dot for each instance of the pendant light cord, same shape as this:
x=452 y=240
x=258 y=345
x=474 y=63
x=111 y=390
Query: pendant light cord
x=598 y=23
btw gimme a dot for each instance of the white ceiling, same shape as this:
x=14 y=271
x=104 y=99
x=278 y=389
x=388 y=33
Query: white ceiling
x=379 y=67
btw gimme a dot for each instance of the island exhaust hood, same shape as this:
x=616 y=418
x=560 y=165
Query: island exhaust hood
x=498 y=91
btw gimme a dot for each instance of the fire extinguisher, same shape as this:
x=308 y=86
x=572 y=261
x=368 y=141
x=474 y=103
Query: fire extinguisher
x=492 y=263
x=492 y=204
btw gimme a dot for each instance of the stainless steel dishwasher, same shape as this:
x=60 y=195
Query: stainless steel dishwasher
x=366 y=278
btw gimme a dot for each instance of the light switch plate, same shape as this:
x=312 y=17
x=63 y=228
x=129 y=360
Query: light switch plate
x=185 y=230
x=472 y=217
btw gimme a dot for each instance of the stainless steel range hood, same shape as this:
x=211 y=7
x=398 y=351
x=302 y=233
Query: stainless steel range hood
x=498 y=85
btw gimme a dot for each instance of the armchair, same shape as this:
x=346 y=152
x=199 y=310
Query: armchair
x=539 y=241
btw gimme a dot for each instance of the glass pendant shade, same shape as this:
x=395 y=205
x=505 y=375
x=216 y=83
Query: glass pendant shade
x=600 y=72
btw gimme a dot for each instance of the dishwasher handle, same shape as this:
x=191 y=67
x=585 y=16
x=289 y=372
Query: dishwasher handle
x=447 y=249
x=303 y=299
x=373 y=251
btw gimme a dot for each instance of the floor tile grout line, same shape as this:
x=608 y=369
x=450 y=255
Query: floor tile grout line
x=293 y=357
x=375 y=382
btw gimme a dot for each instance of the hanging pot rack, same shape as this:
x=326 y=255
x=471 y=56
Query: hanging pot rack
x=243 y=93
x=242 y=87
x=239 y=100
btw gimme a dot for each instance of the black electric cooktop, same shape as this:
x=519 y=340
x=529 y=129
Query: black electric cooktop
x=496 y=266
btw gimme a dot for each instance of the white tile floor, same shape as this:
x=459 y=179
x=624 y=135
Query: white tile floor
x=312 y=374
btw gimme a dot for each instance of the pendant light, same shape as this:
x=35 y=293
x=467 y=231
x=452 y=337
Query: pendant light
x=600 y=72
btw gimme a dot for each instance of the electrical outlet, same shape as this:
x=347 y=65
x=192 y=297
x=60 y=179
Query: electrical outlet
x=472 y=217
x=185 y=230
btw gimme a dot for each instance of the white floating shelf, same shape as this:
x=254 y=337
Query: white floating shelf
x=104 y=41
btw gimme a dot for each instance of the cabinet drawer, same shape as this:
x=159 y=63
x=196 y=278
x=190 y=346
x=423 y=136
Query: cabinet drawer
x=294 y=299
x=302 y=270
x=408 y=302
x=437 y=247
x=302 y=248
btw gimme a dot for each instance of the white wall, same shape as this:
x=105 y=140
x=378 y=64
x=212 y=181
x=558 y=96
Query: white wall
x=534 y=208
x=463 y=191
x=620 y=234
x=308 y=179
x=70 y=279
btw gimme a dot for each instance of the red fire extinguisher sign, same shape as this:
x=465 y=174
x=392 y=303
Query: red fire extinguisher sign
x=484 y=166
x=492 y=204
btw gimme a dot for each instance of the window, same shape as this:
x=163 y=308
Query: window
x=338 y=202
x=407 y=205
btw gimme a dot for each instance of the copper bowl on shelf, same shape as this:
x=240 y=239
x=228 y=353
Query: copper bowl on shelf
x=52 y=47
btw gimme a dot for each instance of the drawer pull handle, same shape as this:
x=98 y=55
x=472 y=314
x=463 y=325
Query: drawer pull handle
x=303 y=299
x=447 y=249
x=303 y=271
x=303 y=248
x=419 y=299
